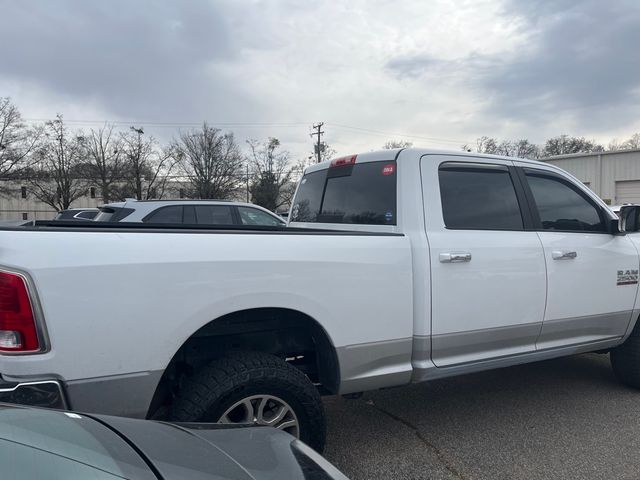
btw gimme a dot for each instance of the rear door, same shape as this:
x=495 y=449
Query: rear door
x=487 y=266
x=592 y=274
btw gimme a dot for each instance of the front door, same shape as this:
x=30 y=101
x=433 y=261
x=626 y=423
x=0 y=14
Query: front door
x=592 y=274
x=488 y=269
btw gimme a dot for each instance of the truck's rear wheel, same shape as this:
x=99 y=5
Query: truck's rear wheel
x=257 y=388
x=625 y=359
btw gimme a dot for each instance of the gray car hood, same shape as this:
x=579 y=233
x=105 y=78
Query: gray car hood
x=215 y=452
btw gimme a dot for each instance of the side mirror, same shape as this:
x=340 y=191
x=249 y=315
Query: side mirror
x=617 y=227
x=629 y=218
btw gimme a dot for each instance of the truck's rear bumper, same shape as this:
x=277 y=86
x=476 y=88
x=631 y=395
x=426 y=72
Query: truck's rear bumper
x=127 y=395
x=41 y=393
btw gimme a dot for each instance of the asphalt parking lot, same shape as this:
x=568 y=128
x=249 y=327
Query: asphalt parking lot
x=565 y=418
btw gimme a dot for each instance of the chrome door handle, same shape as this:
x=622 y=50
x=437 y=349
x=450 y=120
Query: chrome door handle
x=455 y=257
x=558 y=255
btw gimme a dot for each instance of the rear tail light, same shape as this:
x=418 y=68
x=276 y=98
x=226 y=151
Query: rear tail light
x=18 y=330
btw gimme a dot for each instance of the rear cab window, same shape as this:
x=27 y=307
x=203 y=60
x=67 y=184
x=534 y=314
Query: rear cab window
x=352 y=193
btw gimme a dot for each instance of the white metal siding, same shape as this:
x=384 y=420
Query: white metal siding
x=604 y=171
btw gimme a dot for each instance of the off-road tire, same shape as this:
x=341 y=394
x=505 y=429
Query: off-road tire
x=625 y=359
x=206 y=395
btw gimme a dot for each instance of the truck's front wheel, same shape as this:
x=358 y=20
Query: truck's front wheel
x=255 y=388
x=625 y=359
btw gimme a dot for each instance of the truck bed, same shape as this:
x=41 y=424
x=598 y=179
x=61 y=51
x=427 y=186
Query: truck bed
x=125 y=297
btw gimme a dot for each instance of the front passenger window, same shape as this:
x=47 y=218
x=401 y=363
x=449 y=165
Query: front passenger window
x=562 y=206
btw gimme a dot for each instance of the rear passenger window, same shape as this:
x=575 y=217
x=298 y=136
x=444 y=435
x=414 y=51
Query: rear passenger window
x=166 y=215
x=478 y=197
x=213 y=215
x=562 y=206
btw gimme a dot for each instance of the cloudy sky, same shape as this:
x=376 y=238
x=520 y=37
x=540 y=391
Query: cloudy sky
x=436 y=72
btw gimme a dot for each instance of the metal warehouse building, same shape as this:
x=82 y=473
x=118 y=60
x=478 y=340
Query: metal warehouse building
x=614 y=175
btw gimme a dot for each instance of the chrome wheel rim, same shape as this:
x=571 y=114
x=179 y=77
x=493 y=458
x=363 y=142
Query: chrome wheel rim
x=265 y=410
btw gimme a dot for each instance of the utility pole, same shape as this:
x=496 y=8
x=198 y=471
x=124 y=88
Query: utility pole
x=247 y=183
x=137 y=167
x=318 y=145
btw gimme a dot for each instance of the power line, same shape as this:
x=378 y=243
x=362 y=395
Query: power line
x=366 y=131
x=391 y=134
x=172 y=124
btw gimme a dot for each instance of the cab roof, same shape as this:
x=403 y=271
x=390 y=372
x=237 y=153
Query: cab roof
x=392 y=154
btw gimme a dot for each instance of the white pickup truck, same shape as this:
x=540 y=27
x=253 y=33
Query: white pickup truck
x=397 y=266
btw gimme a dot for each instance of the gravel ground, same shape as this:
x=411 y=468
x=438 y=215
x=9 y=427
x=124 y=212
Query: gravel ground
x=566 y=418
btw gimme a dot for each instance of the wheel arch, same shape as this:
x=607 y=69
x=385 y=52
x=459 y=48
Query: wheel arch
x=286 y=332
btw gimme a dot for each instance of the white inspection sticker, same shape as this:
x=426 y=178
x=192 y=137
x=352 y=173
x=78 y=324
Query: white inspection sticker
x=72 y=415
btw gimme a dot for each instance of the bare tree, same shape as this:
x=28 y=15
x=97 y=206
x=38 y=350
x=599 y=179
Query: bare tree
x=326 y=153
x=392 y=144
x=564 y=144
x=486 y=144
x=17 y=141
x=493 y=146
x=615 y=145
x=58 y=177
x=271 y=187
x=522 y=148
x=105 y=157
x=633 y=143
x=211 y=161
x=145 y=167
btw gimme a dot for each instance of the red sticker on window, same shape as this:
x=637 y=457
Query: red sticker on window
x=388 y=169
